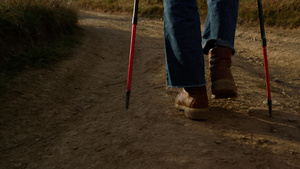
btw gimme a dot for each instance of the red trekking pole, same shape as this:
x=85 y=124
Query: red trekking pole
x=264 y=45
x=134 y=23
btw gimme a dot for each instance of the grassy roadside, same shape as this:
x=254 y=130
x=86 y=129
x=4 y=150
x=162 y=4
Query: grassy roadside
x=279 y=13
x=34 y=33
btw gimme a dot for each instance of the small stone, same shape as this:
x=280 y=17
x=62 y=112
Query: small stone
x=273 y=130
x=244 y=138
x=266 y=141
x=218 y=142
x=276 y=80
x=262 y=141
x=275 y=103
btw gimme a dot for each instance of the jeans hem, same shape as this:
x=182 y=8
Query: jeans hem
x=183 y=86
x=207 y=45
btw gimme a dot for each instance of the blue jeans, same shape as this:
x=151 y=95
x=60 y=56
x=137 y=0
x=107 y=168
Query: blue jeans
x=184 y=45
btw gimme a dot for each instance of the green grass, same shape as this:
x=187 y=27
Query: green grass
x=34 y=33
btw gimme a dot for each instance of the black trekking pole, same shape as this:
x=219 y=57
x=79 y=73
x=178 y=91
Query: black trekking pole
x=264 y=45
x=134 y=23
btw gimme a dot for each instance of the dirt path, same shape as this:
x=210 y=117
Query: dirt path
x=72 y=115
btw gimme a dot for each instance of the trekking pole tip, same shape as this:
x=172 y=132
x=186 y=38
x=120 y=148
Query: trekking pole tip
x=270 y=107
x=127 y=99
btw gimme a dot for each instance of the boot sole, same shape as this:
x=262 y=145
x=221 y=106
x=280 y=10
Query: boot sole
x=194 y=114
x=224 y=89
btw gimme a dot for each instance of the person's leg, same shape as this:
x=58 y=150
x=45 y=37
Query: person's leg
x=220 y=25
x=218 y=43
x=184 y=56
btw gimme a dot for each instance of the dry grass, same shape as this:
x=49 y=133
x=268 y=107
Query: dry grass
x=281 y=13
x=36 y=18
x=33 y=33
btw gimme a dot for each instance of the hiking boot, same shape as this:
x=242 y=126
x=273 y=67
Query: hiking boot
x=223 y=85
x=193 y=101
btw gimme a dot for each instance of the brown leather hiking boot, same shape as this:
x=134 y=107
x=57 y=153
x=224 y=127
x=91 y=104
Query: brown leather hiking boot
x=194 y=102
x=223 y=85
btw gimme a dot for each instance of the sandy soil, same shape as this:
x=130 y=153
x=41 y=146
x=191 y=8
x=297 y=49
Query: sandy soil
x=72 y=115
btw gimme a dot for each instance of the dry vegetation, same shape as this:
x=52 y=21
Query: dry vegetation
x=280 y=13
x=34 y=33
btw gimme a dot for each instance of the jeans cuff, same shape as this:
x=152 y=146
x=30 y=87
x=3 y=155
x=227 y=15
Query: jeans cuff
x=213 y=42
x=183 y=86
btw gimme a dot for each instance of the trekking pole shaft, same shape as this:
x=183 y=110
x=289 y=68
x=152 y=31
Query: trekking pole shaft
x=267 y=80
x=264 y=45
x=130 y=65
